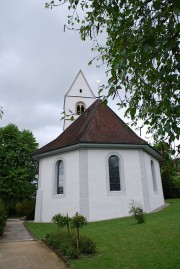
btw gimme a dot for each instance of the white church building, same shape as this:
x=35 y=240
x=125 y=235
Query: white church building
x=97 y=166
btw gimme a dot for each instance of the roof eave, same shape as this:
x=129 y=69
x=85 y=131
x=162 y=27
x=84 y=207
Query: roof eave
x=147 y=148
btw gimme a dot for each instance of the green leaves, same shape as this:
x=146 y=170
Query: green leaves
x=17 y=169
x=142 y=56
x=72 y=118
x=78 y=221
x=146 y=47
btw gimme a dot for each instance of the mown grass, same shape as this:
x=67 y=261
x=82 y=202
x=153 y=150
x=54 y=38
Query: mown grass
x=123 y=244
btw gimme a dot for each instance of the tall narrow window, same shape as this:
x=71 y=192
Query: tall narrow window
x=153 y=176
x=114 y=175
x=80 y=108
x=60 y=177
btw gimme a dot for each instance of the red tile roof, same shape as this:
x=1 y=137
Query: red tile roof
x=98 y=125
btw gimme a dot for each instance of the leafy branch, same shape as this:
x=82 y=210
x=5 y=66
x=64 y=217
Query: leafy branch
x=141 y=52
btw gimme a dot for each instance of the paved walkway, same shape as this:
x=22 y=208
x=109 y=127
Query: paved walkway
x=15 y=231
x=20 y=251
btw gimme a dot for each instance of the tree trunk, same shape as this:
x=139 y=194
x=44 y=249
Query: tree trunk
x=77 y=238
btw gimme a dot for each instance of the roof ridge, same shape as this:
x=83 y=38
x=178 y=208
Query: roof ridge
x=89 y=110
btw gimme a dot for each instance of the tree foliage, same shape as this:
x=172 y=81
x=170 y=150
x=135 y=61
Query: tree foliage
x=77 y=222
x=3 y=217
x=61 y=221
x=168 y=170
x=17 y=169
x=141 y=52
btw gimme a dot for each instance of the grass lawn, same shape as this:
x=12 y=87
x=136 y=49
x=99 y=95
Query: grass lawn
x=123 y=244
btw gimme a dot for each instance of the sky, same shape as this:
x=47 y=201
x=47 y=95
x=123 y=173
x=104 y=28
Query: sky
x=38 y=63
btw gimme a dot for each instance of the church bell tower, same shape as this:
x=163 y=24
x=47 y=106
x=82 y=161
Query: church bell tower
x=77 y=99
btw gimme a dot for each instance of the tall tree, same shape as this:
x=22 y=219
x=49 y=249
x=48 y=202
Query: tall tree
x=16 y=167
x=141 y=52
x=168 y=170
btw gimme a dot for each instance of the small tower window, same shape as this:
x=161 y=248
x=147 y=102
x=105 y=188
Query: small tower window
x=80 y=108
x=80 y=90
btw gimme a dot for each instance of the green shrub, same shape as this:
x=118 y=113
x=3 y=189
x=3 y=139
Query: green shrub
x=66 y=245
x=87 y=245
x=26 y=208
x=78 y=221
x=53 y=240
x=176 y=180
x=137 y=211
x=3 y=217
x=61 y=221
x=11 y=209
x=70 y=245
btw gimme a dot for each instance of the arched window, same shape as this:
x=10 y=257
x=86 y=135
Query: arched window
x=153 y=176
x=60 y=177
x=114 y=175
x=80 y=108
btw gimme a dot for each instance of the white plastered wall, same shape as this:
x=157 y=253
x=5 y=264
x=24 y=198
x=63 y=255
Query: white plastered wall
x=107 y=205
x=86 y=184
x=156 y=198
x=52 y=203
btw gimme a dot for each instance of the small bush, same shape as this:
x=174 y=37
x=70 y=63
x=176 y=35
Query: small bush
x=87 y=245
x=66 y=245
x=26 y=208
x=78 y=221
x=3 y=217
x=61 y=221
x=137 y=211
x=176 y=180
x=53 y=240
